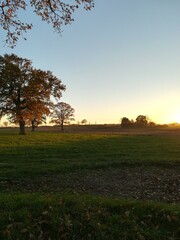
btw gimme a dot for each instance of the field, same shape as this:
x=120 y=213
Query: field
x=97 y=182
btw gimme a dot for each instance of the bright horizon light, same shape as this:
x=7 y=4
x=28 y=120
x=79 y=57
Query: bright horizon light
x=173 y=118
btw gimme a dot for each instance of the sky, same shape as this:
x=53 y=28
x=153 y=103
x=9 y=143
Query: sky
x=121 y=59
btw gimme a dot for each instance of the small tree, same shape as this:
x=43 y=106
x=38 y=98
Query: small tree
x=125 y=122
x=62 y=113
x=152 y=124
x=25 y=93
x=141 y=121
x=84 y=121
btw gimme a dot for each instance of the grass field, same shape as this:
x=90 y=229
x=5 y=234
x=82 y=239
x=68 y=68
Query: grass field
x=89 y=185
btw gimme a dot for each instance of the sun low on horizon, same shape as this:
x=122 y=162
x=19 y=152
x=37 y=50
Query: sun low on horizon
x=168 y=116
x=173 y=118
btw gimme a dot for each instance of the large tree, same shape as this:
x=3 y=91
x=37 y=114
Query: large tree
x=25 y=93
x=62 y=113
x=55 y=12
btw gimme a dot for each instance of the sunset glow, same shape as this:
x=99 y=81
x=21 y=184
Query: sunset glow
x=119 y=60
x=174 y=118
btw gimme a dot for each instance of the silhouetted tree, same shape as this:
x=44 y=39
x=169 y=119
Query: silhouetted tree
x=62 y=113
x=54 y=12
x=25 y=93
x=125 y=122
x=152 y=124
x=84 y=121
x=141 y=121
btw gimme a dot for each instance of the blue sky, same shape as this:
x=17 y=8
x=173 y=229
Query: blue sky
x=121 y=59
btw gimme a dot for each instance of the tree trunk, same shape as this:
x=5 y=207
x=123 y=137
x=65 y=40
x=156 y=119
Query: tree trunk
x=22 y=127
x=62 y=126
x=33 y=125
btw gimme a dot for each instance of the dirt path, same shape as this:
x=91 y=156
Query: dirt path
x=151 y=183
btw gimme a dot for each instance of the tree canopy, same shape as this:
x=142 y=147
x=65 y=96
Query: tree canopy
x=84 y=121
x=125 y=122
x=142 y=121
x=54 y=12
x=25 y=92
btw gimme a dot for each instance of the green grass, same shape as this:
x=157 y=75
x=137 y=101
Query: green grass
x=60 y=216
x=37 y=154
x=70 y=217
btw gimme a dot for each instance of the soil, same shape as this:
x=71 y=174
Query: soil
x=148 y=183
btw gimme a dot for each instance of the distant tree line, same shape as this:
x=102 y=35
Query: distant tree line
x=140 y=122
